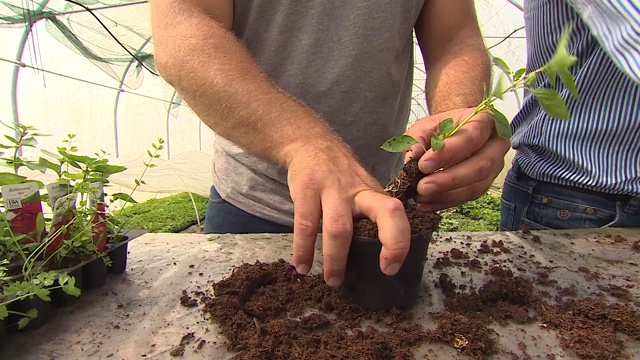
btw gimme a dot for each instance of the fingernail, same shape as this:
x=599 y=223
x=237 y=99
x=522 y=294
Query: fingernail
x=428 y=190
x=392 y=269
x=302 y=269
x=334 y=282
x=428 y=167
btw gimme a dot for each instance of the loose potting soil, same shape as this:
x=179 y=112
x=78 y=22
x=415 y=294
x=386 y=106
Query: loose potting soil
x=269 y=311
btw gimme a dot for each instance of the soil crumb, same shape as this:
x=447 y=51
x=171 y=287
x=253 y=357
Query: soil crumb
x=186 y=340
x=187 y=301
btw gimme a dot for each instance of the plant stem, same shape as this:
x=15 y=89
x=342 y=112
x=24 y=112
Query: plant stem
x=488 y=102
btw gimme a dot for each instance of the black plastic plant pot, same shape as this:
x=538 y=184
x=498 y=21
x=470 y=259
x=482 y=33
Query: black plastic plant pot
x=3 y=334
x=24 y=305
x=367 y=286
x=59 y=298
x=94 y=274
x=118 y=256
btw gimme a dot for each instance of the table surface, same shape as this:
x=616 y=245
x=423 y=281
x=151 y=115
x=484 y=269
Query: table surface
x=137 y=315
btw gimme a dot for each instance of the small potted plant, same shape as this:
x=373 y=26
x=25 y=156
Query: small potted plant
x=364 y=282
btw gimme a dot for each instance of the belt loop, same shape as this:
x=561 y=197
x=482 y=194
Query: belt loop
x=633 y=206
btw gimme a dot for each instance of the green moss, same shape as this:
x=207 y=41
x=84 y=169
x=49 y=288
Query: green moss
x=175 y=213
x=169 y=214
x=482 y=214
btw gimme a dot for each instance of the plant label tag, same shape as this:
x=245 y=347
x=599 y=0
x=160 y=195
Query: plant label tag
x=57 y=190
x=24 y=208
x=12 y=204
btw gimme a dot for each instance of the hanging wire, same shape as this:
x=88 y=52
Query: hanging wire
x=112 y=35
x=505 y=38
x=24 y=65
x=106 y=7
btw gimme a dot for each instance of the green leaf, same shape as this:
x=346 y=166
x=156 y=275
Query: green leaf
x=63 y=278
x=42 y=294
x=531 y=79
x=567 y=79
x=501 y=64
x=39 y=225
x=551 y=75
x=3 y=312
x=110 y=169
x=498 y=91
x=436 y=143
x=124 y=197
x=49 y=153
x=446 y=127
x=49 y=165
x=560 y=63
x=29 y=142
x=32 y=313
x=70 y=288
x=519 y=73
x=71 y=158
x=35 y=166
x=399 y=143
x=10 y=178
x=71 y=176
x=503 y=128
x=552 y=103
x=14 y=141
x=23 y=322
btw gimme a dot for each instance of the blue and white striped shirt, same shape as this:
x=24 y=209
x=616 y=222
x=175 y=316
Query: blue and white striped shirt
x=599 y=148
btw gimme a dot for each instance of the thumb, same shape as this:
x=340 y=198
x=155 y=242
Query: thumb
x=414 y=152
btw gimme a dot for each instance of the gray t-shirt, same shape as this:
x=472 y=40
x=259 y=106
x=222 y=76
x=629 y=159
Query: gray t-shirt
x=350 y=61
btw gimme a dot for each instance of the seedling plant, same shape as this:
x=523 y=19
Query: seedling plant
x=550 y=100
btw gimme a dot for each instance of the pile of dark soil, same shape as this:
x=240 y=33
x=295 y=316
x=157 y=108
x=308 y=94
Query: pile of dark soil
x=268 y=310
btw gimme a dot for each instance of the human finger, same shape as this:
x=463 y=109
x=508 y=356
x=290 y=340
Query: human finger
x=484 y=164
x=456 y=197
x=393 y=227
x=337 y=230
x=464 y=143
x=307 y=212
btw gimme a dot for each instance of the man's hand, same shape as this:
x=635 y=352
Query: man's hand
x=329 y=184
x=470 y=160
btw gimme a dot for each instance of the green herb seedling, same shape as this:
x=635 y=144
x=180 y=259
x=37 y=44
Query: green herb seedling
x=550 y=100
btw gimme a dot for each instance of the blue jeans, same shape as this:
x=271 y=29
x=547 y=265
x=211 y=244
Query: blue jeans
x=223 y=218
x=542 y=205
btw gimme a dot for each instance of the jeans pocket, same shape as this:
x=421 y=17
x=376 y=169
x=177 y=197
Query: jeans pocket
x=569 y=212
x=507 y=215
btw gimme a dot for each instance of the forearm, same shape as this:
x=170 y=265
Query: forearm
x=456 y=79
x=223 y=85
